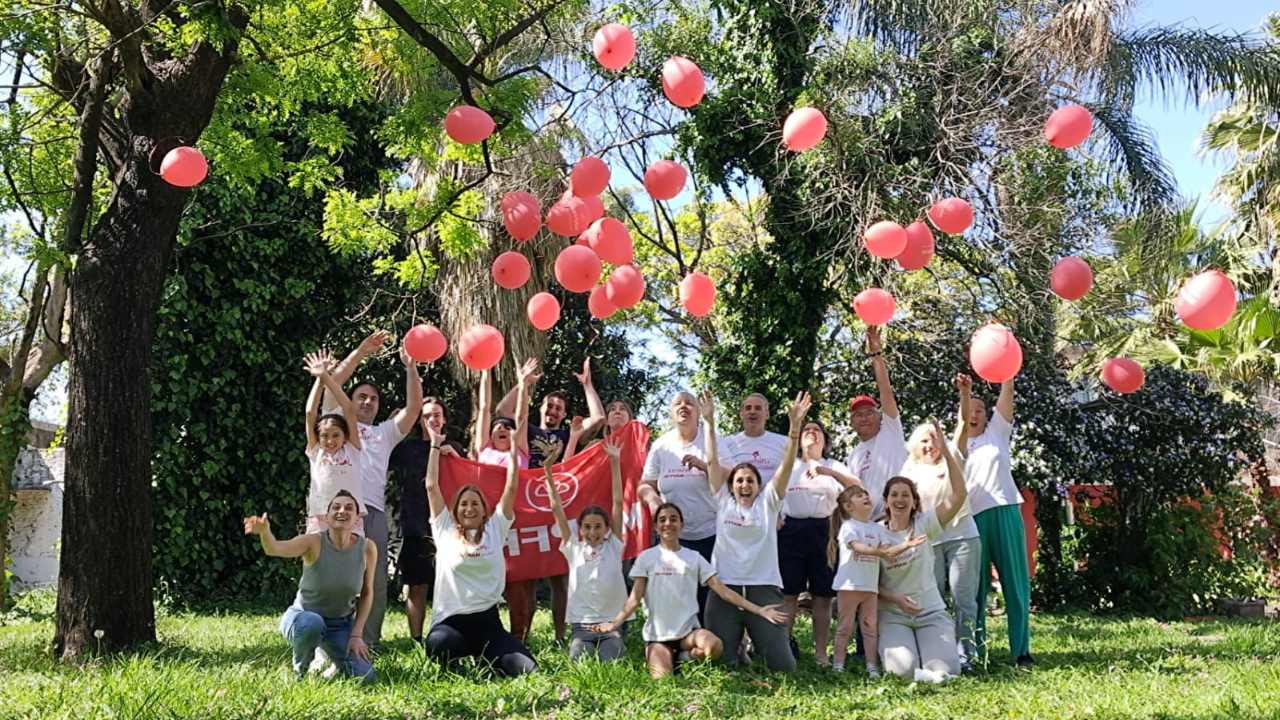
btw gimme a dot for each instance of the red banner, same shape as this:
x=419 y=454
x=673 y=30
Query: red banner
x=533 y=546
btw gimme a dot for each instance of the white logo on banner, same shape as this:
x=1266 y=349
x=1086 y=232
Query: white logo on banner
x=536 y=492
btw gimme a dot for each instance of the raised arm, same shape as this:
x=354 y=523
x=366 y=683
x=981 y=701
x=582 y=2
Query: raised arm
x=317 y=366
x=576 y=431
x=480 y=438
x=520 y=443
x=964 y=384
x=345 y=369
x=304 y=546
x=715 y=471
x=435 y=498
x=954 y=500
x=348 y=410
x=595 y=408
x=1004 y=404
x=613 y=448
x=507 y=405
x=406 y=416
x=526 y=376
x=888 y=405
x=355 y=643
x=553 y=493
x=796 y=412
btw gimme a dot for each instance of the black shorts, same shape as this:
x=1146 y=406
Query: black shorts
x=674 y=647
x=417 y=562
x=802 y=557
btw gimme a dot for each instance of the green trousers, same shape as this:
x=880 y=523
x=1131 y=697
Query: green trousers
x=1004 y=543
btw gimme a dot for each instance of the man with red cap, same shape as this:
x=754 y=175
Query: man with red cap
x=882 y=448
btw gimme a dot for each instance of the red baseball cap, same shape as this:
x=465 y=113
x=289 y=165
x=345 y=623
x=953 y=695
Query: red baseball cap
x=863 y=400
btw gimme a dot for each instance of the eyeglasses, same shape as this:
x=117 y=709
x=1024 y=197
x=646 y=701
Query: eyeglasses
x=864 y=414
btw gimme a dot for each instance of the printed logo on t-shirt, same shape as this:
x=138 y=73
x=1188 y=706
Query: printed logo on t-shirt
x=338 y=459
x=903 y=560
x=484 y=549
x=670 y=568
x=865 y=465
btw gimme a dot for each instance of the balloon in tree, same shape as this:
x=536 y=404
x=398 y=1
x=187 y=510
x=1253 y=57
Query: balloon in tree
x=614 y=46
x=1071 y=278
x=682 y=82
x=521 y=215
x=425 y=343
x=599 y=304
x=578 y=268
x=625 y=286
x=595 y=208
x=995 y=353
x=184 y=167
x=511 y=270
x=590 y=176
x=568 y=216
x=919 y=250
x=951 y=215
x=481 y=347
x=1068 y=126
x=697 y=294
x=885 y=239
x=1206 y=301
x=544 y=310
x=1123 y=375
x=874 y=306
x=665 y=179
x=611 y=240
x=468 y=125
x=804 y=128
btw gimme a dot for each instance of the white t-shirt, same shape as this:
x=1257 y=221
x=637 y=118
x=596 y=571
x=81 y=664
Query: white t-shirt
x=377 y=442
x=876 y=460
x=765 y=452
x=746 y=551
x=671 y=597
x=331 y=472
x=856 y=571
x=686 y=487
x=988 y=472
x=597 y=589
x=469 y=578
x=911 y=573
x=813 y=496
x=934 y=487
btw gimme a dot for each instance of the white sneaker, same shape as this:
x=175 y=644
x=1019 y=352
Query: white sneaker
x=873 y=671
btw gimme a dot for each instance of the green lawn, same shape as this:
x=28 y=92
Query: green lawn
x=235 y=665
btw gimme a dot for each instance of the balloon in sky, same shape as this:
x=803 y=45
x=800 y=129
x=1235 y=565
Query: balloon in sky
x=590 y=176
x=599 y=304
x=511 y=270
x=697 y=294
x=804 y=128
x=544 y=310
x=625 y=287
x=995 y=353
x=614 y=46
x=468 y=125
x=874 y=306
x=578 y=268
x=611 y=240
x=1068 y=126
x=951 y=215
x=1206 y=301
x=885 y=239
x=1071 y=278
x=481 y=347
x=425 y=343
x=1123 y=375
x=568 y=216
x=682 y=82
x=919 y=250
x=665 y=179
x=521 y=215
x=184 y=167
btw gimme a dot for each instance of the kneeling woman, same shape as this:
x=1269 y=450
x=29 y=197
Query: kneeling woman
x=667 y=578
x=337 y=568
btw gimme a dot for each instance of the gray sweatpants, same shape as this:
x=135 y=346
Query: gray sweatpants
x=955 y=565
x=605 y=646
x=729 y=622
x=927 y=641
x=375 y=527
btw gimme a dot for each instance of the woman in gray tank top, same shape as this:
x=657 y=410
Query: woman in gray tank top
x=337 y=570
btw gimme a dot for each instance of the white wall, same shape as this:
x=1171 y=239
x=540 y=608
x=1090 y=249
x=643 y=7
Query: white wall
x=37 y=521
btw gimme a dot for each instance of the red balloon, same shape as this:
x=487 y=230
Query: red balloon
x=184 y=167
x=568 y=216
x=804 y=128
x=599 y=304
x=544 y=310
x=885 y=239
x=625 y=287
x=595 y=208
x=697 y=294
x=611 y=240
x=951 y=215
x=1206 y=301
x=425 y=343
x=481 y=347
x=995 y=353
x=521 y=215
x=468 y=125
x=919 y=250
x=577 y=268
x=682 y=81
x=590 y=176
x=584 y=239
x=665 y=179
x=614 y=46
x=874 y=306
x=511 y=270
x=1123 y=375
x=1071 y=278
x=1068 y=126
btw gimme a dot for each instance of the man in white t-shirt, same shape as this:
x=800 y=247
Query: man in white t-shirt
x=882 y=448
x=755 y=444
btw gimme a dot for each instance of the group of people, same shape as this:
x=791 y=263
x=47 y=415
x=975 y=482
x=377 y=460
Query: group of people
x=743 y=526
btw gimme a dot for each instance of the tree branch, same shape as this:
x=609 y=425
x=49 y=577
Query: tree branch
x=86 y=158
x=511 y=34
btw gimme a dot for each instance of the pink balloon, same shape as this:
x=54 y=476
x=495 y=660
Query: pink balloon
x=919 y=250
x=1068 y=126
x=544 y=310
x=614 y=46
x=665 y=179
x=568 y=216
x=1123 y=375
x=804 y=128
x=425 y=343
x=951 y=215
x=595 y=208
x=682 y=81
x=995 y=353
x=1206 y=301
x=885 y=239
x=481 y=347
x=468 y=125
x=521 y=215
x=599 y=304
x=1071 y=278
x=590 y=176
x=874 y=306
x=625 y=287
x=697 y=294
x=184 y=167
x=611 y=240
x=584 y=239
x=511 y=270
x=578 y=268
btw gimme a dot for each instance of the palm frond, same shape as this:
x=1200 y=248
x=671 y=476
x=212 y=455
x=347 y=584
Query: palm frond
x=1199 y=63
x=1132 y=145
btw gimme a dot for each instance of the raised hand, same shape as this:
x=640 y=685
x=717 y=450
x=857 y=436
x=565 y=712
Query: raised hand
x=613 y=446
x=374 y=342
x=319 y=363
x=584 y=377
x=707 y=406
x=576 y=427
x=964 y=383
x=254 y=525
x=940 y=437
x=436 y=438
x=773 y=614
x=405 y=358
x=798 y=409
x=528 y=372
x=873 y=339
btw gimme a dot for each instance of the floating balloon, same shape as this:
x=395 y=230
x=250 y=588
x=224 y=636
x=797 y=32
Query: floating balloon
x=595 y=208
x=682 y=81
x=521 y=215
x=184 y=167
x=568 y=216
x=874 y=306
x=544 y=310
x=468 y=125
x=614 y=46
x=577 y=268
x=425 y=343
x=697 y=294
x=625 y=287
x=951 y=215
x=511 y=270
x=1206 y=301
x=885 y=239
x=995 y=353
x=1068 y=126
x=590 y=176
x=665 y=179
x=611 y=240
x=1123 y=375
x=804 y=128
x=481 y=347
x=919 y=250
x=584 y=239
x=1071 y=278
x=599 y=304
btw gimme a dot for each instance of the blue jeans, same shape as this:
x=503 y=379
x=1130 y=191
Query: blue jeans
x=308 y=631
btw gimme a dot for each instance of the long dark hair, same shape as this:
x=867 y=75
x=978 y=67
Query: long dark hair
x=915 y=494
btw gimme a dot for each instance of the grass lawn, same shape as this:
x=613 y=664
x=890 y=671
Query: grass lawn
x=235 y=665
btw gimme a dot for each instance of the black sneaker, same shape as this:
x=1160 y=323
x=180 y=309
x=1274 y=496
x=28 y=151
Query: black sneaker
x=1024 y=661
x=795 y=647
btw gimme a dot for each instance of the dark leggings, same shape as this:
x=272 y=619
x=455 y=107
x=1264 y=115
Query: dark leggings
x=479 y=635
